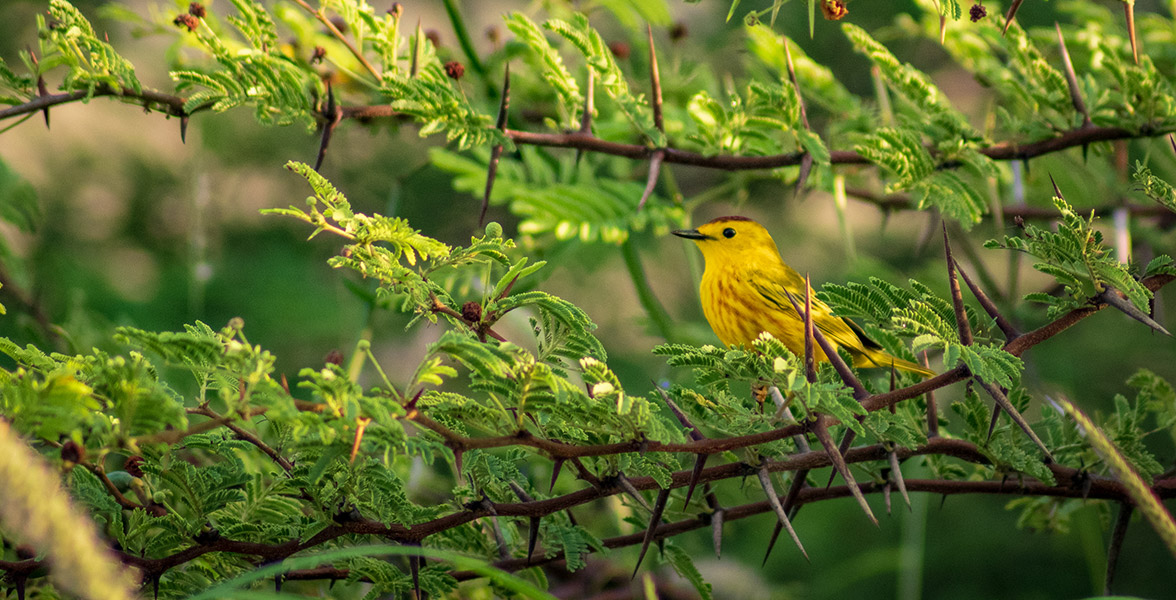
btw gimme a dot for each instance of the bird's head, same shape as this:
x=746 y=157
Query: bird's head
x=732 y=240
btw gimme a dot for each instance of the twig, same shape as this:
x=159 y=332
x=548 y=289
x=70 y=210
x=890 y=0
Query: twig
x=322 y=18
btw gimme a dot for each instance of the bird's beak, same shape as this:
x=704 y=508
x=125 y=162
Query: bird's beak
x=690 y=234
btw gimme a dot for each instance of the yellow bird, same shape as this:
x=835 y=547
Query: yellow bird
x=743 y=295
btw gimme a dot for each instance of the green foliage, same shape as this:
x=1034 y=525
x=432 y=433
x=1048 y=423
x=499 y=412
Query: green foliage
x=929 y=106
x=438 y=103
x=567 y=201
x=1153 y=187
x=1077 y=258
x=212 y=443
x=67 y=39
x=930 y=319
x=252 y=72
x=547 y=60
x=596 y=53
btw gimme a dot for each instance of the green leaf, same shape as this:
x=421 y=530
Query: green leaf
x=684 y=566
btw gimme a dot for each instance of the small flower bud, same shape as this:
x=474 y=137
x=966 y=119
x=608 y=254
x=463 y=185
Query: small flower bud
x=186 y=20
x=433 y=36
x=977 y=12
x=678 y=31
x=834 y=10
x=471 y=311
x=334 y=357
x=237 y=323
x=197 y=10
x=72 y=453
x=454 y=69
x=397 y=10
x=319 y=54
x=620 y=50
x=134 y=466
x=492 y=34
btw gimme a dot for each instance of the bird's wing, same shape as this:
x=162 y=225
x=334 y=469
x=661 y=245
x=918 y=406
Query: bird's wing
x=771 y=286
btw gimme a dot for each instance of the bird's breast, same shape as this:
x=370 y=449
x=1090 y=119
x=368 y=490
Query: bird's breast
x=732 y=307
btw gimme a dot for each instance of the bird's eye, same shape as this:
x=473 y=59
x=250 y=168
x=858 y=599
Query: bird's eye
x=728 y=233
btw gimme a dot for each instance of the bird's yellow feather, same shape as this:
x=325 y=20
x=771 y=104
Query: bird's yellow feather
x=743 y=294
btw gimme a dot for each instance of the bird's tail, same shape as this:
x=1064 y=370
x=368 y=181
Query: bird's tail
x=872 y=358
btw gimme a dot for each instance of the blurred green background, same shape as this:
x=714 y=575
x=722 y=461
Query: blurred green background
x=141 y=229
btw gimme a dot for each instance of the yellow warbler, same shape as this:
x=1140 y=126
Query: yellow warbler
x=743 y=295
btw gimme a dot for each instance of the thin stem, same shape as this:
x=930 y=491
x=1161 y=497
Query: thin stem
x=322 y=18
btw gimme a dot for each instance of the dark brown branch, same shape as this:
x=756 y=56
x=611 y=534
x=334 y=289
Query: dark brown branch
x=718 y=445
x=151 y=99
x=889 y=202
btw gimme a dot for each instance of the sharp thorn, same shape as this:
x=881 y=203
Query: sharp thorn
x=795 y=86
x=457 y=470
x=334 y=116
x=504 y=104
x=957 y=296
x=1010 y=14
x=491 y=175
x=774 y=500
x=996 y=410
x=417 y=44
x=1072 y=78
x=663 y=496
x=847 y=376
x=842 y=448
x=1129 y=10
x=628 y=488
x=589 y=102
x=896 y=472
x=519 y=491
x=717 y=532
x=655 y=83
x=555 y=473
x=989 y=306
x=695 y=475
x=415 y=568
x=655 y=163
x=798 y=483
x=789 y=505
x=932 y=409
x=1057 y=190
x=810 y=358
x=772 y=543
x=886 y=496
x=500 y=540
x=184 y=129
x=1004 y=403
x=42 y=89
x=532 y=537
x=1111 y=297
x=1118 y=534
x=806 y=167
x=839 y=462
x=693 y=432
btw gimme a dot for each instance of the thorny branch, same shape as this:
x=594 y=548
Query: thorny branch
x=586 y=141
x=1071 y=482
